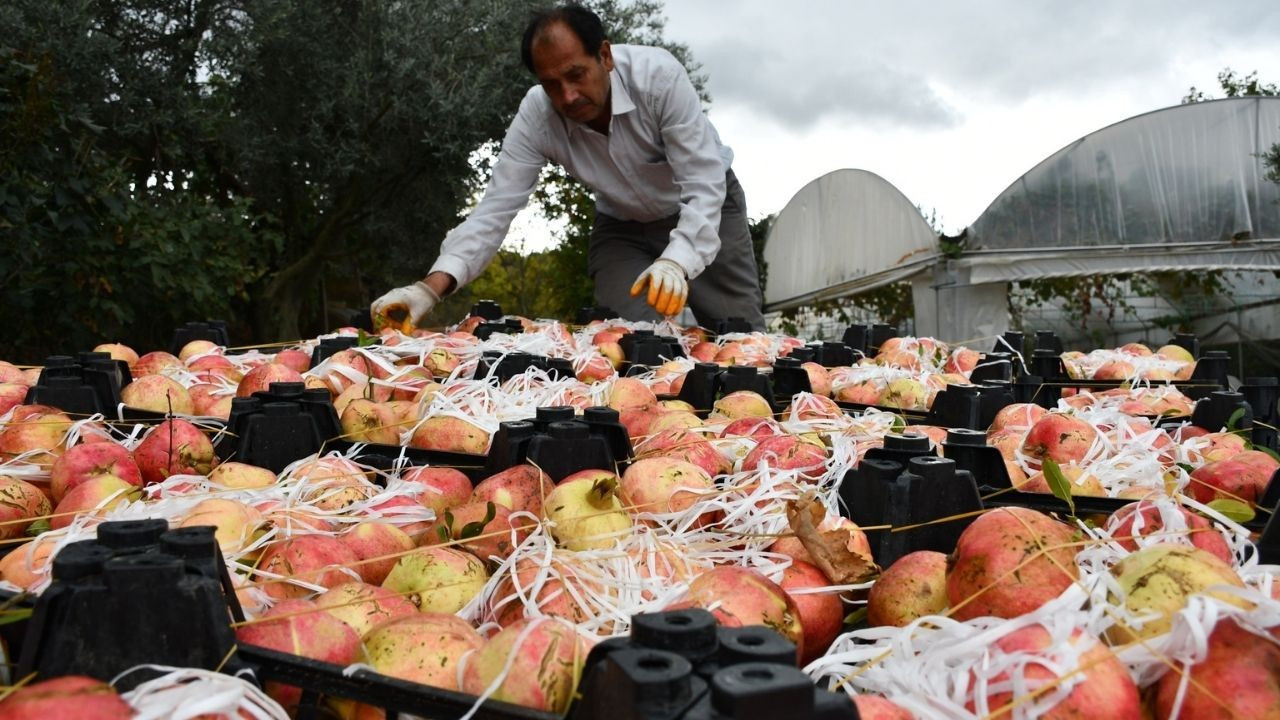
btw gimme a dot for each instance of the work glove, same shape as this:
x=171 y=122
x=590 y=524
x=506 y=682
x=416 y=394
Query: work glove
x=413 y=302
x=668 y=287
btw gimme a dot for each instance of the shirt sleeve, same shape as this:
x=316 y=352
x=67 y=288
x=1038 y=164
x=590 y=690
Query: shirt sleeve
x=469 y=247
x=694 y=155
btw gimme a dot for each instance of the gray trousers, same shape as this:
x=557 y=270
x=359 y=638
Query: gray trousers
x=621 y=249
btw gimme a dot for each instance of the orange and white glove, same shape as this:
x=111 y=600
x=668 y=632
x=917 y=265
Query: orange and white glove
x=668 y=287
x=404 y=308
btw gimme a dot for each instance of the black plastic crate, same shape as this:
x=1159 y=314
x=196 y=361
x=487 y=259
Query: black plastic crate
x=143 y=594
x=1263 y=396
x=1046 y=377
x=274 y=428
x=86 y=384
x=138 y=594
x=728 y=326
x=680 y=665
x=320 y=679
x=502 y=367
x=973 y=407
x=594 y=313
x=867 y=339
x=645 y=348
x=905 y=485
x=215 y=331
x=556 y=440
x=970 y=452
x=707 y=382
x=327 y=347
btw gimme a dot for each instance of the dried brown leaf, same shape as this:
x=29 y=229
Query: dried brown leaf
x=829 y=547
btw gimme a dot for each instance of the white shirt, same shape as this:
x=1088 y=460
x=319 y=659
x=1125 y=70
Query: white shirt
x=661 y=157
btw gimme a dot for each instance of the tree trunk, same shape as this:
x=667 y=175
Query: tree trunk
x=287 y=294
x=279 y=316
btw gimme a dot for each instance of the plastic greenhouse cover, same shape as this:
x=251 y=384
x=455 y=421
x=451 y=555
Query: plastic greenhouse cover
x=1179 y=188
x=847 y=231
x=1186 y=174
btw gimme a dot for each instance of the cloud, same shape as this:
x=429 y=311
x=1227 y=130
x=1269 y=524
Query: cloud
x=950 y=102
x=919 y=64
x=800 y=93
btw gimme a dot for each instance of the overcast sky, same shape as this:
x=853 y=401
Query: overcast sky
x=950 y=102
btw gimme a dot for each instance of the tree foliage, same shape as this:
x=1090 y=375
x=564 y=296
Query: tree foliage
x=269 y=162
x=85 y=258
x=1233 y=85
x=759 y=236
x=517 y=281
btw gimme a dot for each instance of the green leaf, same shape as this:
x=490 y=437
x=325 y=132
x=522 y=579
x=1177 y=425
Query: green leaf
x=284 y=223
x=442 y=532
x=856 y=616
x=1274 y=455
x=1058 y=483
x=1233 y=509
x=473 y=529
x=899 y=424
x=1186 y=466
x=364 y=339
x=38 y=527
x=12 y=616
x=448 y=520
x=1234 y=419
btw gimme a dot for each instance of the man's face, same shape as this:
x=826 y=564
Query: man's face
x=577 y=83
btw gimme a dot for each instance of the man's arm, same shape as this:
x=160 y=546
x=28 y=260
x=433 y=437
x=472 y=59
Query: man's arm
x=469 y=247
x=441 y=283
x=694 y=156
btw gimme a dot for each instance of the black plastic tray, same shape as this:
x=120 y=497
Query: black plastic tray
x=905 y=484
x=143 y=594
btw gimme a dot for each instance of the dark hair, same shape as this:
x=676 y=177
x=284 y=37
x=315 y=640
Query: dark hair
x=584 y=23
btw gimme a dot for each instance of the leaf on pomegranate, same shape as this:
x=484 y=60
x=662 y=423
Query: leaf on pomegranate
x=39 y=527
x=899 y=424
x=472 y=529
x=1233 y=510
x=1233 y=422
x=603 y=488
x=1058 y=483
x=856 y=616
x=15 y=615
x=828 y=548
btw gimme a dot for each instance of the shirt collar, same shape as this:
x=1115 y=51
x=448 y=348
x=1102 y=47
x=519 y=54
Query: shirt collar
x=621 y=99
x=620 y=102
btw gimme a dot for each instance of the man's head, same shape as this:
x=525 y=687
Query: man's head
x=566 y=49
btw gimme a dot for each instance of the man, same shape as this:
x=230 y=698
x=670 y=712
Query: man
x=671 y=221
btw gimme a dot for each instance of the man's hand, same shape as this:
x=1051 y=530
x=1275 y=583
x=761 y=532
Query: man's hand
x=413 y=301
x=668 y=287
